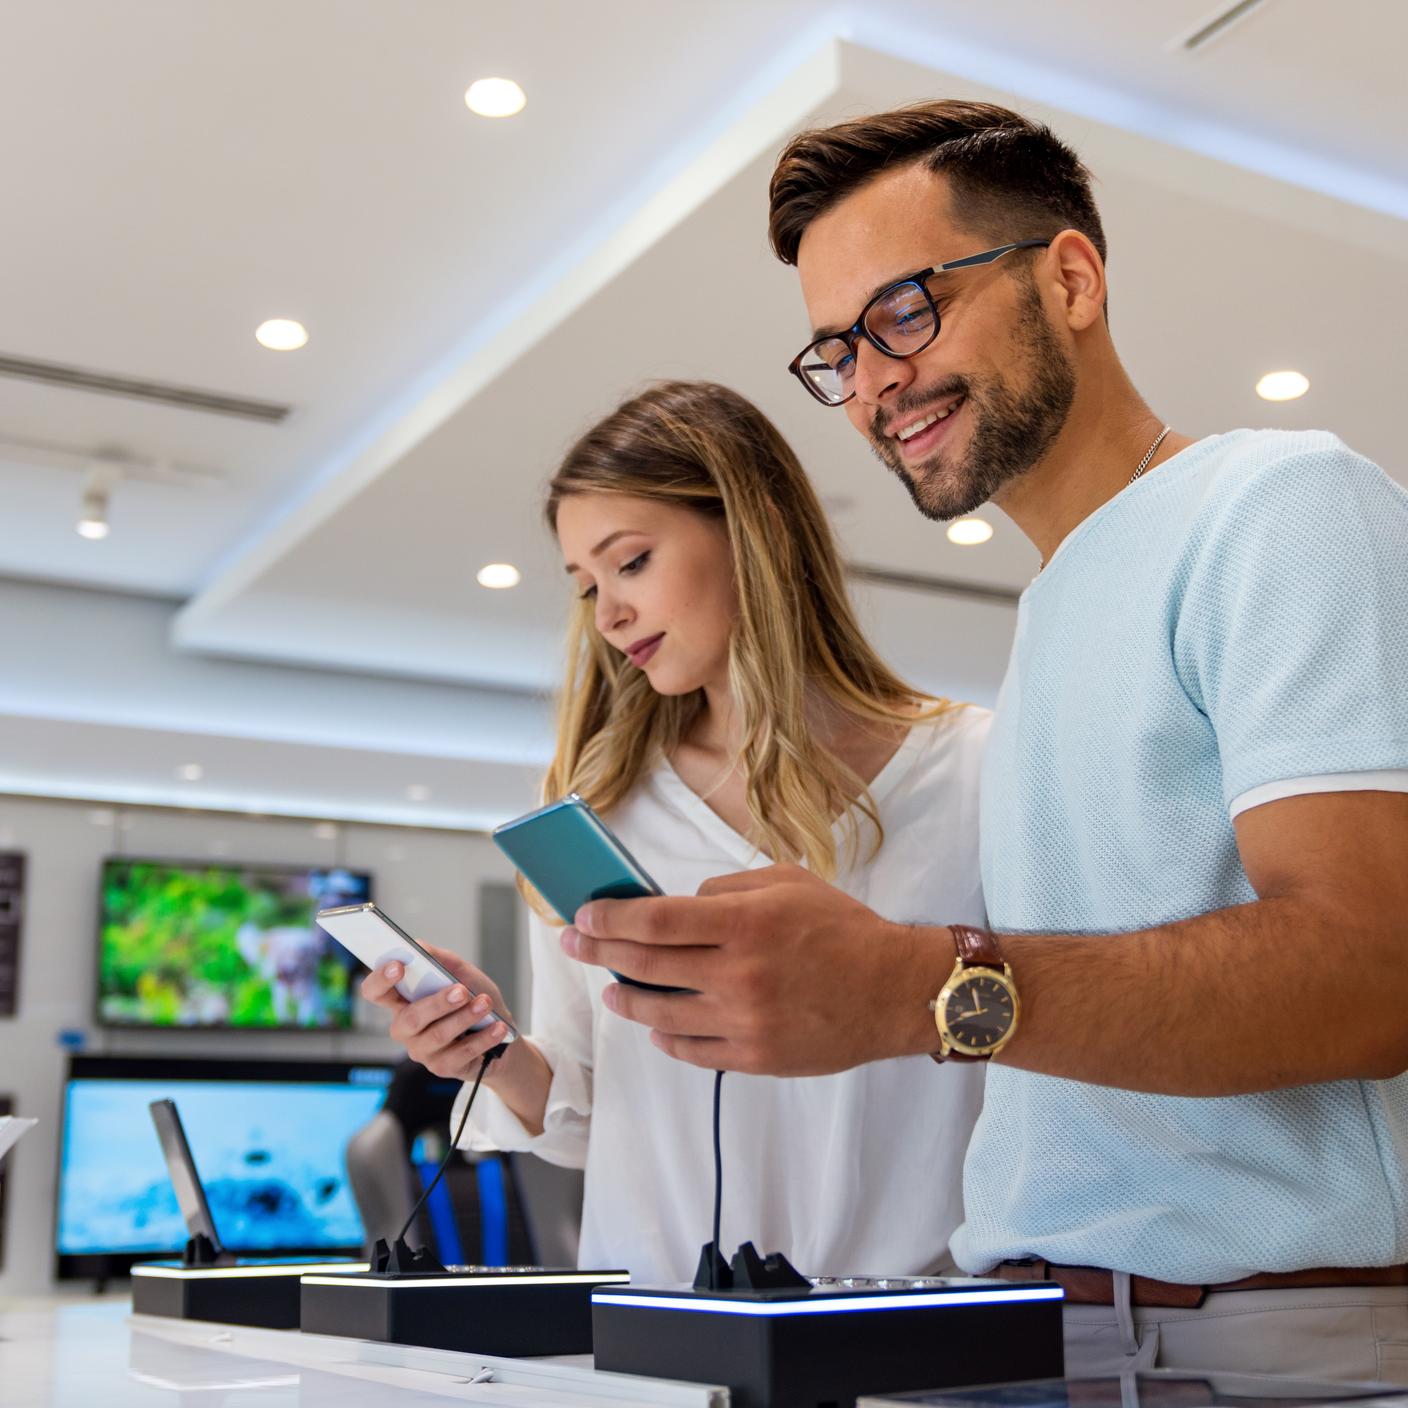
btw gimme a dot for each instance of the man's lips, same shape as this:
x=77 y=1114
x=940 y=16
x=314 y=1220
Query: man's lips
x=923 y=432
x=642 y=650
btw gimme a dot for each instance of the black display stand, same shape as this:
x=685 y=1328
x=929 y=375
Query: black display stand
x=508 y=1311
x=261 y=1293
x=821 y=1346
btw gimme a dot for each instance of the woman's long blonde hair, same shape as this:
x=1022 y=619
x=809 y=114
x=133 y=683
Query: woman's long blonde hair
x=704 y=447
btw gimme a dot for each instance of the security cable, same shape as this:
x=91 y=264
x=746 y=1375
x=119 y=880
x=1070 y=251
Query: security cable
x=454 y=1143
x=718 y=1182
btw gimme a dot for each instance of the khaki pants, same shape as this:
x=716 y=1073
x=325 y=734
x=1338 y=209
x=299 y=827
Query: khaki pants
x=1338 y=1333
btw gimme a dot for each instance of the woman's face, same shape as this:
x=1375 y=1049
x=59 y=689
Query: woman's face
x=660 y=579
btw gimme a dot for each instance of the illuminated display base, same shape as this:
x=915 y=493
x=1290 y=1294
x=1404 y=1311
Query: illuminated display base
x=509 y=1311
x=249 y=1293
x=821 y=1347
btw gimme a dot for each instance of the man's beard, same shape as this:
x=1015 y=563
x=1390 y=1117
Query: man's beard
x=1011 y=432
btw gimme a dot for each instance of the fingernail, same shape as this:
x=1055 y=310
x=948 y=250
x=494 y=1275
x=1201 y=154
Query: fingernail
x=608 y=996
x=482 y=1003
x=457 y=995
x=393 y=971
x=584 y=919
x=569 y=942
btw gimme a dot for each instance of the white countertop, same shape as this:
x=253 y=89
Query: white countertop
x=61 y=1353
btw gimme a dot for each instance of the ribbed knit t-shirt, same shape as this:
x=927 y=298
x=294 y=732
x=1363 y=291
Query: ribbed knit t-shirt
x=1235 y=619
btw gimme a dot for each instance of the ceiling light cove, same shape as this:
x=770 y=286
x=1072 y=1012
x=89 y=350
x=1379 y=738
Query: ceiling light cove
x=498 y=576
x=969 y=532
x=495 y=97
x=281 y=335
x=1282 y=386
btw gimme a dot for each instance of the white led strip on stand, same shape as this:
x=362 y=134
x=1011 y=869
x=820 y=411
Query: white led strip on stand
x=201 y=1273
x=583 y=1278
x=830 y=1305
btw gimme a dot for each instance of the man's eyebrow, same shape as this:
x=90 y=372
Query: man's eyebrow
x=602 y=546
x=819 y=333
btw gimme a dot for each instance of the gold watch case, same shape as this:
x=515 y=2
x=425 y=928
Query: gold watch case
x=965 y=983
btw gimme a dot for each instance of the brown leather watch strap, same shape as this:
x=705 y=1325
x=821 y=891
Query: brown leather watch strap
x=976 y=947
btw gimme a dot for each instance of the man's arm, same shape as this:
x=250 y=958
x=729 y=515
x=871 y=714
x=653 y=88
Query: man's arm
x=1309 y=983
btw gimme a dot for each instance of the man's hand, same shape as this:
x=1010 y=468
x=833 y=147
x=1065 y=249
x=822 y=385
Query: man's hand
x=789 y=976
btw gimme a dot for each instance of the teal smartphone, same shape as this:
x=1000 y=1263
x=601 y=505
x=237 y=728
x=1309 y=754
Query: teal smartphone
x=569 y=855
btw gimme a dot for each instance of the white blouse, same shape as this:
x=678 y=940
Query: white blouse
x=850 y=1174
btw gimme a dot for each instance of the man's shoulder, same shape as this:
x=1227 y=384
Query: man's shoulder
x=1255 y=486
x=1255 y=464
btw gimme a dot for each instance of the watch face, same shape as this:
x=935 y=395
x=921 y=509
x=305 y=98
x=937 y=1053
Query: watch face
x=979 y=1012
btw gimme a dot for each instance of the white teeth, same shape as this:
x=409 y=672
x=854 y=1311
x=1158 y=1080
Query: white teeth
x=910 y=431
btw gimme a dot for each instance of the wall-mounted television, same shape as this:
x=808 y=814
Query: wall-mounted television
x=267 y=1137
x=198 y=944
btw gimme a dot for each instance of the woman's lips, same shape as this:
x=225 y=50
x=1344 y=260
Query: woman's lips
x=642 y=650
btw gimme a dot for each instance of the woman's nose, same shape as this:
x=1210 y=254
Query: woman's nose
x=612 y=612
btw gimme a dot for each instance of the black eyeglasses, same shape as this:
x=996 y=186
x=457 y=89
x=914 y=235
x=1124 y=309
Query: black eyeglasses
x=899 y=321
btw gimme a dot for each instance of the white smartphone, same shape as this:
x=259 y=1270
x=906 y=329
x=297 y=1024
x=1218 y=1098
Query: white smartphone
x=366 y=933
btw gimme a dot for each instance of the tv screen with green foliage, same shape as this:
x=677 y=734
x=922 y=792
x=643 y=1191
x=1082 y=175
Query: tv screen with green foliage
x=186 y=944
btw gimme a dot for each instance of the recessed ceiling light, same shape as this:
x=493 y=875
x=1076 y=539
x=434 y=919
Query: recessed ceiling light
x=494 y=97
x=417 y=792
x=498 y=576
x=1282 y=386
x=93 y=517
x=190 y=772
x=281 y=335
x=969 y=532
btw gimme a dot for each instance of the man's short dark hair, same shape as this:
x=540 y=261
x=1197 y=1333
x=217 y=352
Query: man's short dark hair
x=1010 y=178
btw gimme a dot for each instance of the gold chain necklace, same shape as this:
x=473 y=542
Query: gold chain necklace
x=1143 y=465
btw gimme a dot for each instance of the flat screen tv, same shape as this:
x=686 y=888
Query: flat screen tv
x=267 y=1137
x=195 y=944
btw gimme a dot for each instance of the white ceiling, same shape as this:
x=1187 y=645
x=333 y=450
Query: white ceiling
x=477 y=292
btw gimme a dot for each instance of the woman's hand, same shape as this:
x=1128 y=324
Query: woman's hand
x=436 y=1030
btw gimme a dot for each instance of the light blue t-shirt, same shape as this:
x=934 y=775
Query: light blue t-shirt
x=1238 y=618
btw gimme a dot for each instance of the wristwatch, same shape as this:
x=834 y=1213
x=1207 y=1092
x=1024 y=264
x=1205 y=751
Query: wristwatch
x=976 y=1010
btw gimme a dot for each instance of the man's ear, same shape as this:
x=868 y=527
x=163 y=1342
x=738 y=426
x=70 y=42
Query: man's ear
x=1076 y=271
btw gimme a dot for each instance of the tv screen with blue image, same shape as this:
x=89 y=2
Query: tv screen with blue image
x=200 y=944
x=268 y=1140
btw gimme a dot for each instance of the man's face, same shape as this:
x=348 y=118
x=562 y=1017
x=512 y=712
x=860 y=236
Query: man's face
x=985 y=400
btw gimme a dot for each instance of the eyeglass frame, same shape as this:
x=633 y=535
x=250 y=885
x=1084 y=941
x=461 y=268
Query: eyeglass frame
x=858 y=329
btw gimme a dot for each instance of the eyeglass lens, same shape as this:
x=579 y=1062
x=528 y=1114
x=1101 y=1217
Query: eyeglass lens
x=901 y=320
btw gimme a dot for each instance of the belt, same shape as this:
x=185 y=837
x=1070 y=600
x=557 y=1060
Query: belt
x=1092 y=1285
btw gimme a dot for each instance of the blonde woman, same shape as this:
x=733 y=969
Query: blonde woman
x=722 y=710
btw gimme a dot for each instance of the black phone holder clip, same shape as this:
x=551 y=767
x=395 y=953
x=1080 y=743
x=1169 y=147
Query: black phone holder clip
x=750 y=1270
x=397 y=1259
x=202 y=1253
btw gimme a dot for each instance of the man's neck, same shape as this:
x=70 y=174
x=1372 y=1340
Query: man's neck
x=1106 y=436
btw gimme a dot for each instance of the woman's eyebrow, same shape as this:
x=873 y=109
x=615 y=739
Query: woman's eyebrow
x=602 y=546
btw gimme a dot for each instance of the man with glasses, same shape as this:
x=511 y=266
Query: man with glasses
x=1195 y=803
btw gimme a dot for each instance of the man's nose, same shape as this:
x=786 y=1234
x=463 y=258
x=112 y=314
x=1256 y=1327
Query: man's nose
x=879 y=379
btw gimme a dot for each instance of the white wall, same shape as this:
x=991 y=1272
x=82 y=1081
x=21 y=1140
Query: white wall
x=427 y=879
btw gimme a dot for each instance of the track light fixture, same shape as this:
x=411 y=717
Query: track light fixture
x=93 y=518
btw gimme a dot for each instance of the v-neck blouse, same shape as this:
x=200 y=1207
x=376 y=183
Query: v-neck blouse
x=853 y=1173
